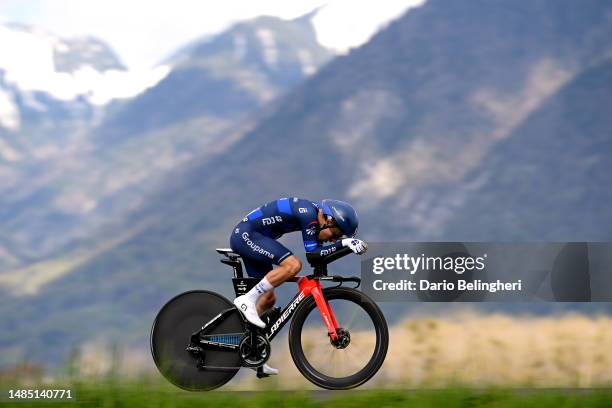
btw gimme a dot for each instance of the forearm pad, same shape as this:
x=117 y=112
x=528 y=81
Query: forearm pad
x=319 y=254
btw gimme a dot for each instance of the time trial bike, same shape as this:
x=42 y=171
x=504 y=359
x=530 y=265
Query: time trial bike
x=338 y=337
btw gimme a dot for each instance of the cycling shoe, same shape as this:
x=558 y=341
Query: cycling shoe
x=249 y=310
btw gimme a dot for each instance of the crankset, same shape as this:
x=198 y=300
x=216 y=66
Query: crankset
x=254 y=350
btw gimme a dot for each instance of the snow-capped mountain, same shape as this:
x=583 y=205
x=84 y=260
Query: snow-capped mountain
x=41 y=72
x=69 y=166
x=234 y=72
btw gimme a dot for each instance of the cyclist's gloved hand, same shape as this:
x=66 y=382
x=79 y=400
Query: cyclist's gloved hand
x=357 y=246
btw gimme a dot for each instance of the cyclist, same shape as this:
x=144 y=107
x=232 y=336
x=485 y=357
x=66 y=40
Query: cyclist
x=254 y=238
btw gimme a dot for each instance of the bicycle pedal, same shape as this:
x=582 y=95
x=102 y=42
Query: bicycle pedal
x=261 y=374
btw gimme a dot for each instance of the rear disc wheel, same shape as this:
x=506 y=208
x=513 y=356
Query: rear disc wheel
x=171 y=333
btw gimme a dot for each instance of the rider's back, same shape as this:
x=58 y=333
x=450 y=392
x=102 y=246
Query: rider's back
x=284 y=215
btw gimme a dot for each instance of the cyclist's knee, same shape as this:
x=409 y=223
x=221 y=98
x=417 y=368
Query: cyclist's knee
x=293 y=265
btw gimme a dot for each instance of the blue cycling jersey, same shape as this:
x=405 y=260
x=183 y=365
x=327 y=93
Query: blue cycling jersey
x=284 y=215
x=255 y=236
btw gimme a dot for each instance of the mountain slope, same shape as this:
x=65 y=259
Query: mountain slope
x=84 y=176
x=399 y=124
x=549 y=180
x=399 y=127
x=230 y=74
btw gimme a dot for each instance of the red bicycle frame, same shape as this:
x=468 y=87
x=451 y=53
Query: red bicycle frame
x=307 y=287
x=313 y=287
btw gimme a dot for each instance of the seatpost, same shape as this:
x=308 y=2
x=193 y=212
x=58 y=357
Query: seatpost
x=235 y=264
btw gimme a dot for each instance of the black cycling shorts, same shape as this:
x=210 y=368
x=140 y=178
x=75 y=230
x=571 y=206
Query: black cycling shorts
x=259 y=253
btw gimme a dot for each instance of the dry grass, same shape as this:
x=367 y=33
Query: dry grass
x=499 y=350
x=461 y=349
x=489 y=350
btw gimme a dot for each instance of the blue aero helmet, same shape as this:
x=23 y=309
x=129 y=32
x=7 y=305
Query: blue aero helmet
x=343 y=214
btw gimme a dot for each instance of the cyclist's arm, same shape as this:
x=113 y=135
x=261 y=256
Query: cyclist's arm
x=314 y=250
x=307 y=215
x=309 y=236
x=321 y=252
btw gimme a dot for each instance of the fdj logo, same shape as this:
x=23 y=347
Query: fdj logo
x=271 y=220
x=328 y=251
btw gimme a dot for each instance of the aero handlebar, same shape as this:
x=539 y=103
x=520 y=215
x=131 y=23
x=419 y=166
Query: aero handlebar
x=317 y=260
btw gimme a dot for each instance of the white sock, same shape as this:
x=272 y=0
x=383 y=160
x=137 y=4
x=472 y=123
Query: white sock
x=262 y=287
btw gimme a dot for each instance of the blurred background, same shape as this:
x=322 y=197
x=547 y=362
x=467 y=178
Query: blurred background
x=134 y=136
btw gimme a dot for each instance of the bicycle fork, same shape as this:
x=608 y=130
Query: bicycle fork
x=313 y=287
